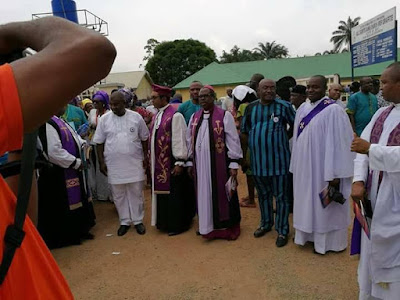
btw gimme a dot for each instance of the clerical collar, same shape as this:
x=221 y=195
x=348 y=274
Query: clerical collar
x=206 y=112
x=318 y=101
x=163 y=108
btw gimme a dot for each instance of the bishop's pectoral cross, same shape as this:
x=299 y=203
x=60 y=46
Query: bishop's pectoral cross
x=218 y=129
x=65 y=129
x=194 y=124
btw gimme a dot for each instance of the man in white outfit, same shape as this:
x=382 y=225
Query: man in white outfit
x=377 y=172
x=122 y=136
x=321 y=160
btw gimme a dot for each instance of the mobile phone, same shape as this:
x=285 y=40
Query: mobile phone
x=15 y=55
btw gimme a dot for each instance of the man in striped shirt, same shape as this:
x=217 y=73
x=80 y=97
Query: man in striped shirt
x=264 y=131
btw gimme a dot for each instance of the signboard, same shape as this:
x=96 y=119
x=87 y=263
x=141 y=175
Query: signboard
x=375 y=40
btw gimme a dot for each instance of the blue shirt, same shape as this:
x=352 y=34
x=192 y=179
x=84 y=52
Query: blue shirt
x=266 y=126
x=187 y=109
x=363 y=107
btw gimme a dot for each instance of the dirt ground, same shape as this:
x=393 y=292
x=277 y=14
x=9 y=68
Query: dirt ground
x=155 y=266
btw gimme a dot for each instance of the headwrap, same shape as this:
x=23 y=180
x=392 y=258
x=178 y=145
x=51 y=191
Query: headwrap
x=102 y=96
x=162 y=90
x=74 y=101
x=240 y=92
x=128 y=96
x=86 y=101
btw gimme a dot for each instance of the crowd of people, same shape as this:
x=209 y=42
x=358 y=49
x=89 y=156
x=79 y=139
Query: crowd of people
x=303 y=151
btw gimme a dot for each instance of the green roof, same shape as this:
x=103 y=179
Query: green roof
x=299 y=67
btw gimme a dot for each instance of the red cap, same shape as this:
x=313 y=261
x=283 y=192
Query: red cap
x=209 y=87
x=161 y=90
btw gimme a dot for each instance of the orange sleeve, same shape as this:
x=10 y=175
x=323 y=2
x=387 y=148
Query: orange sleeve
x=11 y=123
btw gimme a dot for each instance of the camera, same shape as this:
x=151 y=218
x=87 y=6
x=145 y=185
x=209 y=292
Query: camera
x=335 y=195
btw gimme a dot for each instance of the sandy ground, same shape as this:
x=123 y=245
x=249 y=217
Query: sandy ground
x=155 y=266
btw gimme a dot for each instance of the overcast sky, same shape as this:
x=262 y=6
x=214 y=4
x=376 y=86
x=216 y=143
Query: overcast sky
x=303 y=26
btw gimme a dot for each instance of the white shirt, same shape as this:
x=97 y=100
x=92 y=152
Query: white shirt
x=227 y=103
x=152 y=109
x=56 y=153
x=123 y=152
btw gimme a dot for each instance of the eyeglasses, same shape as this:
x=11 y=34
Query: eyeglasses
x=204 y=96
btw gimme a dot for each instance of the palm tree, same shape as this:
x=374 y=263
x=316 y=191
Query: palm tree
x=341 y=38
x=327 y=52
x=272 y=50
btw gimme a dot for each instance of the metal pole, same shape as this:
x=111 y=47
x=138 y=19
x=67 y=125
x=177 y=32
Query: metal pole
x=351 y=59
x=395 y=38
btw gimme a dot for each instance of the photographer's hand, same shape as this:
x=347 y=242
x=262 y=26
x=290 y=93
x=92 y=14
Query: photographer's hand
x=65 y=52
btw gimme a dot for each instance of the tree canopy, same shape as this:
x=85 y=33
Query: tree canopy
x=238 y=55
x=173 y=61
x=342 y=36
x=272 y=50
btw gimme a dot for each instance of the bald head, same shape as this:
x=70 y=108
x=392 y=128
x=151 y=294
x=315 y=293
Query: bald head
x=335 y=91
x=267 y=90
x=390 y=80
x=316 y=88
x=394 y=71
x=117 y=103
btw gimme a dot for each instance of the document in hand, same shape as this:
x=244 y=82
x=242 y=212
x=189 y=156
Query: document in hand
x=323 y=196
x=230 y=187
x=359 y=212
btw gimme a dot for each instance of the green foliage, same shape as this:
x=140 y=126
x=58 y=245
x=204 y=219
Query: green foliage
x=237 y=55
x=342 y=36
x=173 y=61
x=151 y=45
x=272 y=50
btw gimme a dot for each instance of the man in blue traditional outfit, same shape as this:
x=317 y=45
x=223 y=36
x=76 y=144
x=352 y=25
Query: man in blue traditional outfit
x=265 y=132
x=214 y=153
x=172 y=208
x=377 y=175
x=65 y=214
x=362 y=106
x=321 y=161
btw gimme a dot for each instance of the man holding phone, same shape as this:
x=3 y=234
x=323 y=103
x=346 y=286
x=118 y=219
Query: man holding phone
x=67 y=62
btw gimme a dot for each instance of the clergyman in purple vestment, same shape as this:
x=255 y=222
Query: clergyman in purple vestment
x=214 y=151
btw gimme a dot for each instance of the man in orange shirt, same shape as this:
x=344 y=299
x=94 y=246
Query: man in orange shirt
x=69 y=59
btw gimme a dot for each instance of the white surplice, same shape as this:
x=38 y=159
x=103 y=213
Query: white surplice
x=203 y=165
x=178 y=145
x=380 y=256
x=56 y=153
x=320 y=154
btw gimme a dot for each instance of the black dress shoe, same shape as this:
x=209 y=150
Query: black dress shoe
x=123 y=229
x=140 y=229
x=261 y=231
x=281 y=241
x=172 y=233
x=88 y=236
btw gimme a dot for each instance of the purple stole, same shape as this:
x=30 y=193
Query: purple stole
x=394 y=140
x=218 y=156
x=307 y=119
x=71 y=176
x=163 y=151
